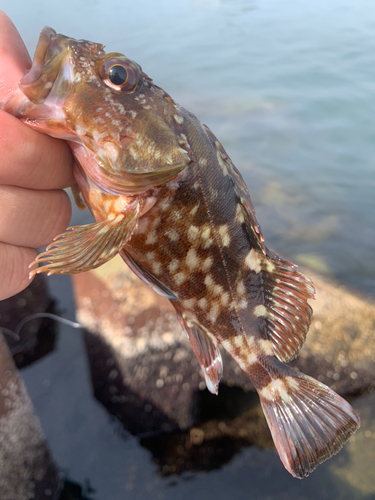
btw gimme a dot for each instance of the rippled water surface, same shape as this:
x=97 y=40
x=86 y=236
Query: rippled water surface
x=288 y=87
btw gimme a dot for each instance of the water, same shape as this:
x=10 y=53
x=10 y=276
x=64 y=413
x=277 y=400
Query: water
x=288 y=87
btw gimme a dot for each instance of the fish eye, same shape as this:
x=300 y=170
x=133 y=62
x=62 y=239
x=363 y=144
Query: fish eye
x=117 y=74
x=120 y=74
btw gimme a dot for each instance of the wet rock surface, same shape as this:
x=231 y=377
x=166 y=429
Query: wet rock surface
x=38 y=335
x=27 y=470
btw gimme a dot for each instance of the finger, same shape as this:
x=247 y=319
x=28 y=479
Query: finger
x=32 y=218
x=31 y=159
x=14 y=269
x=15 y=59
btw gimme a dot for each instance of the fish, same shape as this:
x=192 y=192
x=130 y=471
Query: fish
x=166 y=196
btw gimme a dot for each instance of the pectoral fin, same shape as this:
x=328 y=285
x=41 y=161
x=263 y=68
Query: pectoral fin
x=83 y=248
x=207 y=351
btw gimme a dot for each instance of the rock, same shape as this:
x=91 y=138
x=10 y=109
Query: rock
x=37 y=336
x=340 y=346
x=145 y=373
x=27 y=470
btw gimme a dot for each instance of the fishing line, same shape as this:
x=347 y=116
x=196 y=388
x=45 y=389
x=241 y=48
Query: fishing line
x=74 y=324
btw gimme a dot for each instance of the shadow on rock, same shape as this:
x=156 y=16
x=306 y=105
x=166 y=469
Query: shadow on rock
x=207 y=430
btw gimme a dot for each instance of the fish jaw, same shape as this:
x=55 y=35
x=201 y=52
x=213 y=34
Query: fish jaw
x=38 y=101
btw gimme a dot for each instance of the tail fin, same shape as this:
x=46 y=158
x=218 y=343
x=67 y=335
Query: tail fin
x=308 y=421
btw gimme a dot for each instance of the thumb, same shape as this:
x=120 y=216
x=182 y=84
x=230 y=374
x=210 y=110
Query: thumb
x=15 y=59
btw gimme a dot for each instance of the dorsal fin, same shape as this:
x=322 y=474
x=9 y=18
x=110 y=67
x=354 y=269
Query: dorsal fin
x=285 y=312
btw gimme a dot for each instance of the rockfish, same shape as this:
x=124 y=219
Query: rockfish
x=167 y=198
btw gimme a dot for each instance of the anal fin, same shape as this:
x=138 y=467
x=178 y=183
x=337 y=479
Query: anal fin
x=82 y=248
x=207 y=351
x=147 y=277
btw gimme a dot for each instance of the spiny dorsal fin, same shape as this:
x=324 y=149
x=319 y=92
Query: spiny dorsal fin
x=285 y=310
x=82 y=248
x=284 y=315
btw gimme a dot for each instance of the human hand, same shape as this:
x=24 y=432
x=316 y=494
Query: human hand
x=34 y=169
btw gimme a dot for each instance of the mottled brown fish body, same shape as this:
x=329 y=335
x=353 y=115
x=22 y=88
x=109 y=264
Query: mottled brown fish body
x=166 y=196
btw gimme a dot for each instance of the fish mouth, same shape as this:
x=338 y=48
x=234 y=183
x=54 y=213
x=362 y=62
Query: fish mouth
x=42 y=47
x=49 y=54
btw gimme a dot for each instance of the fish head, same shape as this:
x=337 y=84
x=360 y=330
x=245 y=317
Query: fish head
x=121 y=127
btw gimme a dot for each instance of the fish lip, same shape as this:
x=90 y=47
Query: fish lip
x=43 y=45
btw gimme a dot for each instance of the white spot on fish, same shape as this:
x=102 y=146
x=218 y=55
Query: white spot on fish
x=270 y=266
x=214 y=312
x=172 y=235
x=225 y=238
x=206 y=233
x=224 y=299
x=252 y=358
x=241 y=290
x=207 y=263
x=174 y=265
x=192 y=259
x=240 y=218
x=202 y=303
x=202 y=162
x=266 y=346
x=275 y=388
x=176 y=215
x=150 y=256
x=241 y=304
x=152 y=238
x=192 y=233
x=253 y=261
x=292 y=382
x=208 y=281
x=222 y=163
x=238 y=341
x=260 y=310
x=179 y=119
x=188 y=303
x=156 y=267
x=194 y=210
x=179 y=278
x=217 y=289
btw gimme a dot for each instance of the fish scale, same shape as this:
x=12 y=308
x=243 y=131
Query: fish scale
x=166 y=197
